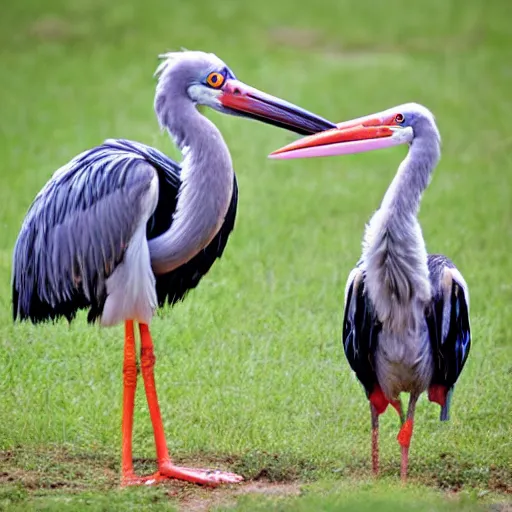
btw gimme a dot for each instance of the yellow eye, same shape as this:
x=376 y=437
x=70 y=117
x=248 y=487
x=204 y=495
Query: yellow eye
x=215 y=80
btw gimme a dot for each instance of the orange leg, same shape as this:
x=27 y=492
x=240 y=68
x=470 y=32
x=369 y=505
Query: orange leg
x=166 y=469
x=405 y=435
x=404 y=439
x=129 y=385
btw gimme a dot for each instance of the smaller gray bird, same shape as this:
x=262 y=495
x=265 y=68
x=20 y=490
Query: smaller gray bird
x=122 y=228
x=406 y=325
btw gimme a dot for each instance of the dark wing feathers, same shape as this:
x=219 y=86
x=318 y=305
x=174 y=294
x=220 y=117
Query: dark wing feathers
x=78 y=227
x=458 y=340
x=173 y=286
x=360 y=332
x=169 y=182
x=76 y=232
x=450 y=337
x=449 y=328
x=447 y=321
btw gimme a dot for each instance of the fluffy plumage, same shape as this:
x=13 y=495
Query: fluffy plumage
x=77 y=230
x=406 y=324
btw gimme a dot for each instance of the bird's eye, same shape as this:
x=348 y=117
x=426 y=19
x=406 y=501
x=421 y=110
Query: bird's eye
x=215 y=80
x=399 y=118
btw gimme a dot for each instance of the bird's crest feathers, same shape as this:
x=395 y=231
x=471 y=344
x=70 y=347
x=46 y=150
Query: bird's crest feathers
x=169 y=58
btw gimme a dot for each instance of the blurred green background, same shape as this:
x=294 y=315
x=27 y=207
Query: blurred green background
x=250 y=368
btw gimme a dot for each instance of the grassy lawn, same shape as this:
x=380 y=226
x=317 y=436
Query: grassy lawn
x=250 y=369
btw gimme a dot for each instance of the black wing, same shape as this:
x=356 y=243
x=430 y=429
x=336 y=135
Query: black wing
x=169 y=182
x=173 y=286
x=449 y=326
x=360 y=331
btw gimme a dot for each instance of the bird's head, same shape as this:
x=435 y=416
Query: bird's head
x=398 y=125
x=204 y=79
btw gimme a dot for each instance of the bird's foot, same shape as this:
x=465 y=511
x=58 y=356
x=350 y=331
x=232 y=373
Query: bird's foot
x=209 y=477
x=169 y=471
x=130 y=478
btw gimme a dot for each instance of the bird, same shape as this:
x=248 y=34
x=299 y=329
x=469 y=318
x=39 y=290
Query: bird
x=406 y=325
x=122 y=229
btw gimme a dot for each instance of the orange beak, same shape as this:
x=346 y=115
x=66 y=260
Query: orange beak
x=356 y=136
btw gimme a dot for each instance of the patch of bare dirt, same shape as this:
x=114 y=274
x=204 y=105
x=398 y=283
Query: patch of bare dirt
x=270 y=488
x=56 y=469
x=197 y=499
x=500 y=507
x=61 y=469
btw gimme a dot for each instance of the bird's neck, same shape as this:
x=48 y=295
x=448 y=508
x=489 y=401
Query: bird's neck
x=402 y=199
x=394 y=252
x=205 y=192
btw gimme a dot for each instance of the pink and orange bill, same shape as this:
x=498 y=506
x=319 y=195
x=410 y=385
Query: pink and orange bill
x=359 y=135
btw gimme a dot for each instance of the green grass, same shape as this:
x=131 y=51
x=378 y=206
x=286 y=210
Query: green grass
x=250 y=368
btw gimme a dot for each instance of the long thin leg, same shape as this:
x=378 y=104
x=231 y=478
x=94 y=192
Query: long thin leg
x=147 y=364
x=129 y=387
x=378 y=405
x=166 y=469
x=397 y=405
x=405 y=435
x=375 y=439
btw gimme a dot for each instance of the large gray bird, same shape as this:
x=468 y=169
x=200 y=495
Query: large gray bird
x=406 y=325
x=122 y=229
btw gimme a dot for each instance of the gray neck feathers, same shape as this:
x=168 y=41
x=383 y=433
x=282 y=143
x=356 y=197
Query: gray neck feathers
x=394 y=253
x=207 y=182
x=413 y=177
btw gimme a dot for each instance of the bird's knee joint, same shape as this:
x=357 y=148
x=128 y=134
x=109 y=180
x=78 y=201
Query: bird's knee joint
x=147 y=359
x=130 y=374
